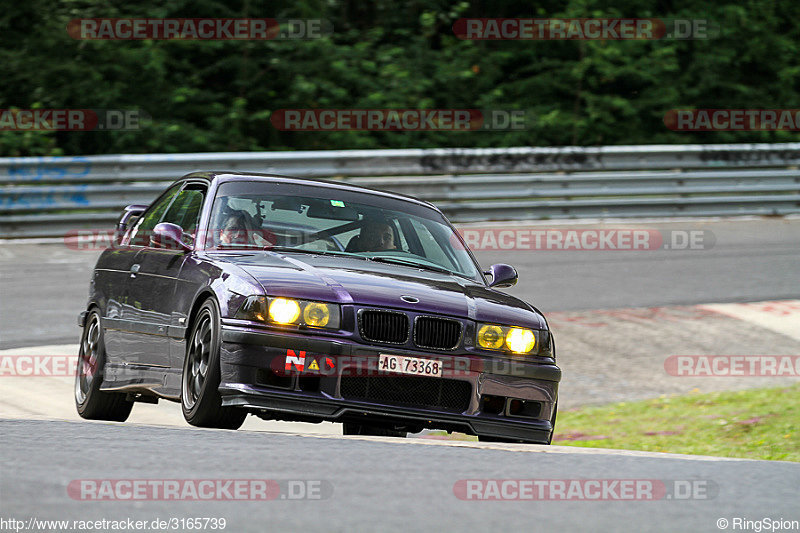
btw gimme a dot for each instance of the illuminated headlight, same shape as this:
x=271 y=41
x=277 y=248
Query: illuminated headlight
x=284 y=311
x=290 y=312
x=506 y=338
x=520 y=340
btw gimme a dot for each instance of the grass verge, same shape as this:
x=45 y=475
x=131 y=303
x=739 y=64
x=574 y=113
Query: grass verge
x=750 y=424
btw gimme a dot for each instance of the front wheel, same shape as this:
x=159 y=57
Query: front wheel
x=200 y=399
x=90 y=401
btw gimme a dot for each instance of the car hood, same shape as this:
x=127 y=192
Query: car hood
x=367 y=283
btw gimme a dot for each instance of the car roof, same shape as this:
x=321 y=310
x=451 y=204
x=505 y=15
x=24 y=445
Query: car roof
x=227 y=176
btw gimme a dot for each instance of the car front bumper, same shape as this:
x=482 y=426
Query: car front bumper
x=467 y=398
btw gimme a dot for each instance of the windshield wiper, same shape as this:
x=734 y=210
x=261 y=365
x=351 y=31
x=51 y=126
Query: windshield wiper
x=410 y=263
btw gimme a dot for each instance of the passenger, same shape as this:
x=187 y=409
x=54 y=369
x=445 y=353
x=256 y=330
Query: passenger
x=235 y=232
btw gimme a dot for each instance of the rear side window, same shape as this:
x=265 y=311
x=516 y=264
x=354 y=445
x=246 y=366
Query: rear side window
x=144 y=227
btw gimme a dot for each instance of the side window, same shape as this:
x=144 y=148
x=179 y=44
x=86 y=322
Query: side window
x=141 y=233
x=185 y=210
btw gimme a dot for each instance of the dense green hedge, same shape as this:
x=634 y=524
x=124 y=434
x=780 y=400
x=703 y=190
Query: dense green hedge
x=218 y=96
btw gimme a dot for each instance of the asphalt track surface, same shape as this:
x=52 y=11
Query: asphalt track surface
x=639 y=303
x=374 y=484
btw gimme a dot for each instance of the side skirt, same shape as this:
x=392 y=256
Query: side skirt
x=147 y=380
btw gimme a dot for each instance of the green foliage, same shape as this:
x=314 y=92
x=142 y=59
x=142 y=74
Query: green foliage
x=219 y=95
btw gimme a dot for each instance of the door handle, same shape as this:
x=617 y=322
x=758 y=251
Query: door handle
x=135 y=269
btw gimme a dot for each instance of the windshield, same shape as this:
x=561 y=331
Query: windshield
x=304 y=219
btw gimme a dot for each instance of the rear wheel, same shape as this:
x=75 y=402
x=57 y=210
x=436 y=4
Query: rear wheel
x=200 y=399
x=90 y=401
x=361 y=429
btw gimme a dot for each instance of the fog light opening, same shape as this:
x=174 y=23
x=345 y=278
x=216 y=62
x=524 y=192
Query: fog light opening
x=524 y=408
x=493 y=405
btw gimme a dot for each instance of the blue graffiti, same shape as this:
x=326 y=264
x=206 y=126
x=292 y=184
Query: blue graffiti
x=40 y=168
x=45 y=198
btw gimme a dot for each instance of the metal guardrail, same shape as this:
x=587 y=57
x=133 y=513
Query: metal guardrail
x=50 y=196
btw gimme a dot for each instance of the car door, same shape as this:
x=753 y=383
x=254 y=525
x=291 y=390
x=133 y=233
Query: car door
x=115 y=275
x=137 y=324
x=156 y=278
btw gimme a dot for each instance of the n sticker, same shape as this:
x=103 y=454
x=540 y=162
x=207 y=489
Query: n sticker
x=298 y=361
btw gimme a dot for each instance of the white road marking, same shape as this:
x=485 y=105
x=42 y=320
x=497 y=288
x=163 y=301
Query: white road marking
x=782 y=316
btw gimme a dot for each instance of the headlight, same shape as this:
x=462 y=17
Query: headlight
x=316 y=314
x=520 y=340
x=506 y=338
x=288 y=311
x=254 y=308
x=490 y=337
x=284 y=311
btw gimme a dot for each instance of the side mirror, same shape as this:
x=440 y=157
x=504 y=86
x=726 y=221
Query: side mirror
x=131 y=212
x=502 y=276
x=168 y=236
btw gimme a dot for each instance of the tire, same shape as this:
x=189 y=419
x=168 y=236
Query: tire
x=360 y=429
x=201 y=402
x=90 y=401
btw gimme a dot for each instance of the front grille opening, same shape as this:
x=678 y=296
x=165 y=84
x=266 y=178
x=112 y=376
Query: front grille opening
x=438 y=333
x=265 y=376
x=383 y=326
x=524 y=408
x=493 y=405
x=309 y=383
x=413 y=391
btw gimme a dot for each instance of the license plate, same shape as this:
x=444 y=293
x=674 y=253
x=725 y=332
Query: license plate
x=409 y=365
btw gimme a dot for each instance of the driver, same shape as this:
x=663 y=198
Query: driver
x=376 y=237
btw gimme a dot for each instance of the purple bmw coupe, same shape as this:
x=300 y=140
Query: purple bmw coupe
x=303 y=300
